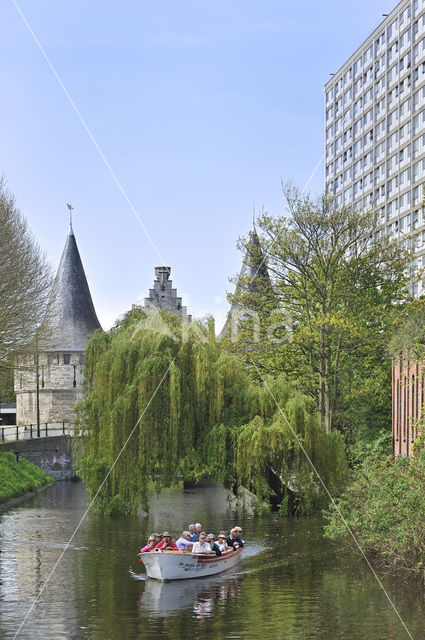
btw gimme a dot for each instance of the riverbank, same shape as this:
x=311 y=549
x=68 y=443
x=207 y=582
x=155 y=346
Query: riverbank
x=384 y=506
x=19 y=480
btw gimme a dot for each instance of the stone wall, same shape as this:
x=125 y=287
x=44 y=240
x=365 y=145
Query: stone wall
x=60 y=387
x=53 y=454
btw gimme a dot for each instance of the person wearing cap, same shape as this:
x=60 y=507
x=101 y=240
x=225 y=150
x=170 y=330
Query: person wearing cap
x=184 y=543
x=167 y=543
x=214 y=545
x=193 y=535
x=157 y=537
x=234 y=539
x=202 y=546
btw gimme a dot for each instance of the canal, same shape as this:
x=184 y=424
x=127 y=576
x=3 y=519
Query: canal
x=292 y=585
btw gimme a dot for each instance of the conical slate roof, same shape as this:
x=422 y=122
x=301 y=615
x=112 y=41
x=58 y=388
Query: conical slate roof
x=70 y=315
x=254 y=266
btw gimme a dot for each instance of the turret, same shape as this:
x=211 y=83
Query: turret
x=253 y=278
x=59 y=362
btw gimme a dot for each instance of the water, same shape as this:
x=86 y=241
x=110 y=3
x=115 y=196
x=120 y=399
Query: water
x=292 y=584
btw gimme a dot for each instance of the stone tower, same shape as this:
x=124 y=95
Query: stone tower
x=254 y=269
x=163 y=296
x=59 y=364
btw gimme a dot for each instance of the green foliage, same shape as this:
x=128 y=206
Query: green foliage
x=206 y=419
x=7 y=392
x=327 y=323
x=408 y=330
x=18 y=477
x=270 y=442
x=384 y=506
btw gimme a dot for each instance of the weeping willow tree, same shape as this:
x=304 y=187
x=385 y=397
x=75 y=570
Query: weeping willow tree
x=197 y=415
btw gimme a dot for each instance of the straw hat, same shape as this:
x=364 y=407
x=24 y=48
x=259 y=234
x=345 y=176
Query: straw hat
x=166 y=534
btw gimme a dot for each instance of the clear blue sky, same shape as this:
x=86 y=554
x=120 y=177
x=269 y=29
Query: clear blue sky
x=201 y=109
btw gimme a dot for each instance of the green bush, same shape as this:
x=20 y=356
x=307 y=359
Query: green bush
x=384 y=506
x=18 y=477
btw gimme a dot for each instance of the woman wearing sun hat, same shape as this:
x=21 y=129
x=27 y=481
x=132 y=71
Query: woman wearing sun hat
x=167 y=543
x=221 y=542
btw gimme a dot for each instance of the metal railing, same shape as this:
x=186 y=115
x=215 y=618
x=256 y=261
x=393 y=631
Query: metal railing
x=11 y=433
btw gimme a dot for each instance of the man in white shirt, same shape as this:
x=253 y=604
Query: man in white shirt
x=202 y=546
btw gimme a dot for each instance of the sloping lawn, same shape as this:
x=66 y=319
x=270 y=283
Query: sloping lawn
x=18 y=477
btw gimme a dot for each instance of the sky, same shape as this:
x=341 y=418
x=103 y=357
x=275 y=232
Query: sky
x=165 y=124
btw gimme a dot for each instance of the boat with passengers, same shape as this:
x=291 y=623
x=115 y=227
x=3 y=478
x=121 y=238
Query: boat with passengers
x=180 y=565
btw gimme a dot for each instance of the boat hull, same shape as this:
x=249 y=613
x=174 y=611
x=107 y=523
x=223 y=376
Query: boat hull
x=177 y=565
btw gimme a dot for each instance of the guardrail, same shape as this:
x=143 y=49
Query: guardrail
x=29 y=431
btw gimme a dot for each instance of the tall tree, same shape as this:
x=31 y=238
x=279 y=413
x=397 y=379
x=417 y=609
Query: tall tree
x=165 y=401
x=25 y=280
x=335 y=276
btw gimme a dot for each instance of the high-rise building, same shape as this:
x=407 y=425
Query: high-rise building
x=375 y=127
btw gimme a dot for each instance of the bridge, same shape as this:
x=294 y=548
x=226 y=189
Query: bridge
x=49 y=446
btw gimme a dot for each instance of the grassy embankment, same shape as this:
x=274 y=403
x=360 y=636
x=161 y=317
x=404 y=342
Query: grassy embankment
x=18 y=477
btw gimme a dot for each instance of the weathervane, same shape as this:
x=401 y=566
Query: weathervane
x=70 y=208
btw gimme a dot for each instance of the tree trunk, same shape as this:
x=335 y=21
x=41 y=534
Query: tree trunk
x=328 y=410
x=322 y=384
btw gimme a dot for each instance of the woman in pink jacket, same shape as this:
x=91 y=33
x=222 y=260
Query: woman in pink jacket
x=150 y=546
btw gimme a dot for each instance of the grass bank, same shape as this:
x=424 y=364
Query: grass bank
x=18 y=477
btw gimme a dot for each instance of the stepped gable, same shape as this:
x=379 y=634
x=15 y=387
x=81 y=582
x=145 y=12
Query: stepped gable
x=70 y=315
x=163 y=296
x=254 y=265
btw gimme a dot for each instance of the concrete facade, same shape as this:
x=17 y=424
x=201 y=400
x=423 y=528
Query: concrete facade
x=375 y=128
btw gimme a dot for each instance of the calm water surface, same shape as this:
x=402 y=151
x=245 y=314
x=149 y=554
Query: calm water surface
x=292 y=585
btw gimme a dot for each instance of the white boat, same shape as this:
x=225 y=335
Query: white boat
x=180 y=565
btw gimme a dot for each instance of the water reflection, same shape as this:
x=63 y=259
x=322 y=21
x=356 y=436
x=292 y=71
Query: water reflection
x=200 y=595
x=294 y=585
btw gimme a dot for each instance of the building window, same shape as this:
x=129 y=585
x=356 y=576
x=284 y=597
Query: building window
x=81 y=360
x=53 y=358
x=67 y=358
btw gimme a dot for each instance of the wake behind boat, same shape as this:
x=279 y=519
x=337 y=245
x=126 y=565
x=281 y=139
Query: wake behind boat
x=180 y=565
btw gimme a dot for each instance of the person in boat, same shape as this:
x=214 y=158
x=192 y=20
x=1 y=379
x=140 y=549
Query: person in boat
x=193 y=534
x=184 y=543
x=167 y=543
x=150 y=546
x=221 y=542
x=234 y=539
x=214 y=545
x=202 y=546
x=157 y=537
